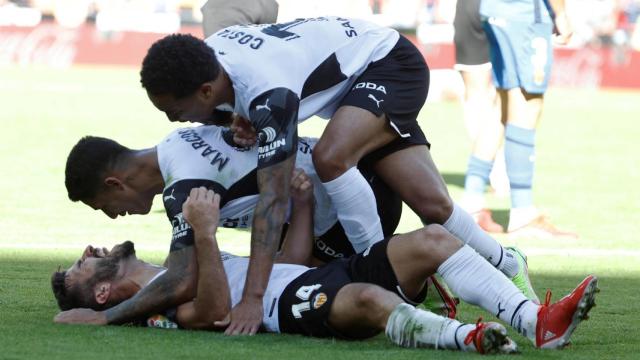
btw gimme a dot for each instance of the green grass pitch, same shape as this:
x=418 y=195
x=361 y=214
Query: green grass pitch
x=587 y=180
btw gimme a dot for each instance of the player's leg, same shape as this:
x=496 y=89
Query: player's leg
x=412 y=173
x=350 y=134
x=480 y=110
x=362 y=310
x=409 y=258
x=481 y=105
x=334 y=243
x=524 y=111
x=396 y=84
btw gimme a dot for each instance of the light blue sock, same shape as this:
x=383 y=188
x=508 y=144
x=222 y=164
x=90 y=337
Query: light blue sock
x=519 y=152
x=477 y=176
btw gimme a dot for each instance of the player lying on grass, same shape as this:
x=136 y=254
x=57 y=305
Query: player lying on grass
x=117 y=180
x=351 y=298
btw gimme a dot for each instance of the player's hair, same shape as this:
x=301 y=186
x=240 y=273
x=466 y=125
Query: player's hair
x=71 y=296
x=87 y=163
x=178 y=64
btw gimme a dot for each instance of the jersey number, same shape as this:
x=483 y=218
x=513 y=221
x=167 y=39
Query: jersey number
x=304 y=293
x=281 y=30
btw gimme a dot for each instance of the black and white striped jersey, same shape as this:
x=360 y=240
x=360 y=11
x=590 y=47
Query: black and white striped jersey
x=205 y=156
x=283 y=74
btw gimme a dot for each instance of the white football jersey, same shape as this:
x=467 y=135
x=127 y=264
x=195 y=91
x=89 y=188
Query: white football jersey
x=318 y=59
x=236 y=268
x=281 y=276
x=204 y=156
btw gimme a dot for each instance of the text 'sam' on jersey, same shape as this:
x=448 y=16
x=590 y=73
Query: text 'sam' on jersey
x=285 y=73
x=205 y=156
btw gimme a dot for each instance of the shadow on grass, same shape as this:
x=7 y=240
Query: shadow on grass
x=501 y=216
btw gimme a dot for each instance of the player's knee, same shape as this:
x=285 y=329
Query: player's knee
x=430 y=238
x=436 y=208
x=328 y=162
x=369 y=296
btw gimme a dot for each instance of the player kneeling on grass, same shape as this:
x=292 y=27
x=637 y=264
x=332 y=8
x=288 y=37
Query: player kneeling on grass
x=352 y=298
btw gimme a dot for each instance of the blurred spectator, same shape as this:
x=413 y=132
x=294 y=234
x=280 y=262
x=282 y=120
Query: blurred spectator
x=17 y=13
x=160 y=16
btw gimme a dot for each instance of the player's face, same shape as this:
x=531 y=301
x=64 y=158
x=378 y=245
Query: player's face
x=198 y=107
x=99 y=262
x=120 y=202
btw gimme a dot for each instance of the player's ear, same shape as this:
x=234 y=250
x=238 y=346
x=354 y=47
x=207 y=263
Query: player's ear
x=113 y=183
x=102 y=292
x=206 y=90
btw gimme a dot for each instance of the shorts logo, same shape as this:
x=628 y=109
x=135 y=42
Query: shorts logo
x=376 y=100
x=370 y=86
x=319 y=300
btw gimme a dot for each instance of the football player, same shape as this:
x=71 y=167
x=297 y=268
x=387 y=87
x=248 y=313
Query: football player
x=371 y=83
x=350 y=298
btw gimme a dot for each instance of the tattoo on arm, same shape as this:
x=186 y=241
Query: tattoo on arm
x=172 y=288
x=269 y=215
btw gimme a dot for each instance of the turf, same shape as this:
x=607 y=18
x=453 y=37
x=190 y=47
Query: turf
x=586 y=180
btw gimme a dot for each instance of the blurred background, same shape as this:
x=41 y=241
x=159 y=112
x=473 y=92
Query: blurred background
x=69 y=68
x=63 y=33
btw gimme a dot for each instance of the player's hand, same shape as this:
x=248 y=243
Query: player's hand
x=562 y=29
x=246 y=317
x=244 y=134
x=81 y=316
x=301 y=187
x=202 y=210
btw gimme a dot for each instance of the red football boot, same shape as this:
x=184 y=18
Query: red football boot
x=556 y=322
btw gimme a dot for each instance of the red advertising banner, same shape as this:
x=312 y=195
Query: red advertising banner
x=51 y=45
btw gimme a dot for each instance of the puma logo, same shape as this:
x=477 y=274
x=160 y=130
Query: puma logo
x=265 y=106
x=376 y=100
x=170 y=196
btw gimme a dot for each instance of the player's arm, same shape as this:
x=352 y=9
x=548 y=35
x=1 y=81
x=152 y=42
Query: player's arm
x=298 y=242
x=274 y=115
x=213 y=298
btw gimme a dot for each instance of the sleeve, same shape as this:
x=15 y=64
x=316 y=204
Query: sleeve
x=274 y=115
x=173 y=197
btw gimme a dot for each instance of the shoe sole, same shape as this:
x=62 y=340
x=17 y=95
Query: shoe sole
x=496 y=341
x=587 y=301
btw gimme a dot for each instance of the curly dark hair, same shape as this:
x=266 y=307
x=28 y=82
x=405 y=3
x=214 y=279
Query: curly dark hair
x=87 y=162
x=178 y=64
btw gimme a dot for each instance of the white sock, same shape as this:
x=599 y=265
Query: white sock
x=478 y=283
x=355 y=204
x=414 y=328
x=519 y=217
x=461 y=224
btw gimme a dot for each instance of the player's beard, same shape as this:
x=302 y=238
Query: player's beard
x=108 y=267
